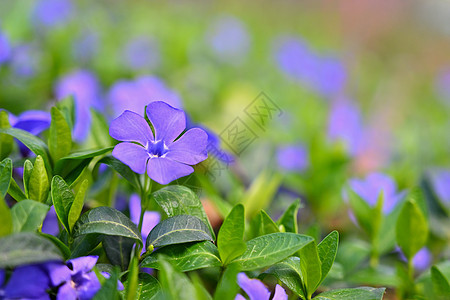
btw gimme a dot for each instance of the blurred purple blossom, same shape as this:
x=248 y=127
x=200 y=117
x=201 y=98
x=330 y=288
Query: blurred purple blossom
x=142 y=53
x=345 y=125
x=229 y=39
x=85 y=88
x=85 y=46
x=151 y=218
x=421 y=261
x=50 y=224
x=27 y=282
x=256 y=290
x=440 y=181
x=369 y=190
x=442 y=85
x=214 y=146
x=134 y=95
x=5 y=48
x=292 y=158
x=165 y=158
x=52 y=13
x=25 y=60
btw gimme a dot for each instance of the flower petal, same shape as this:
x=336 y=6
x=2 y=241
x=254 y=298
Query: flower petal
x=66 y=292
x=82 y=264
x=255 y=289
x=190 y=148
x=89 y=287
x=131 y=127
x=58 y=273
x=168 y=121
x=27 y=282
x=164 y=170
x=280 y=293
x=133 y=155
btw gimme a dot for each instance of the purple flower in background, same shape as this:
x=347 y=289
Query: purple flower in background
x=256 y=290
x=442 y=85
x=25 y=60
x=50 y=224
x=134 y=95
x=5 y=48
x=422 y=260
x=27 y=282
x=229 y=39
x=85 y=88
x=142 y=53
x=85 y=46
x=331 y=77
x=165 y=157
x=292 y=158
x=369 y=190
x=51 y=13
x=214 y=146
x=440 y=181
x=345 y=125
x=151 y=218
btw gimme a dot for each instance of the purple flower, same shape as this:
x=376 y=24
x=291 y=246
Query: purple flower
x=292 y=158
x=134 y=95
x=5 y=48
x=85 y=88
x=85 y=46
x=214 y=147
x=421 y=261
x=27 y=282
x=229 y=39
x=51 y=13
x=369 y=190
x=25 y=60
x=440 y=181
x=165 y=157
x=151 y=218
x=50 y=224
x=256 y=290
x=345 y=125
x=142 y=53
x=331 y=77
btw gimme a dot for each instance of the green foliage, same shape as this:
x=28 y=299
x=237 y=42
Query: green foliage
x=28 y=215
x=5 y=216
x=230 y=239
x=6 y=141
x=38 y=184
x=62 y=198
x=60 y=138
x=5 y=176
x=289 y=217
x=310 y=268
x=361 y=293
x=147 y=287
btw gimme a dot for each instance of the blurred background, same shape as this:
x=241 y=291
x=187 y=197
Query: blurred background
x=362 y=85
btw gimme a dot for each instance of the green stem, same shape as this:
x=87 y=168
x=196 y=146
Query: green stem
x=144 y=193
x=374 y=259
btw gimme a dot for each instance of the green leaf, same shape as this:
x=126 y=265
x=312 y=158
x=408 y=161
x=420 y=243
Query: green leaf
x=289 y=217
x=60 y=137
x=261 y=191
x=109 y=287
x=260 y=225
x=441 y=287
x=310 y=267
x=67 y=109
x=200 y=291
x=28 y=215
x=58 y=243
x=5 y=176
x=122 y=169
x=77 y=158
x=360 y=293
x=380 y=275
x=27 y=169
x=77 y=205
x=85 y=244
x=178 y=229
x=327 y=250
x=107 y=221
x=230 y=240
x=15 y=191
x=99 y=134
x=132 y=279
x=5 y=215
x=6 y=141
x=411 y=229
x=186 y=257
x=227 y=288
x=362 y=211
x=62 y=197
x=266 y=250
x=288 y=272
x=180 y=200
x=36 y=145
x=175 y=285
x=118 y=250
x=148 y=287
x=38 y=185
x=26 y=248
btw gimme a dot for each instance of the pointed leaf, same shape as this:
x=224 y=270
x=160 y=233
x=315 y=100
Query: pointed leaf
x=327 y=250
x=175 y=285
x=6 y=141
x=360 y=293
x=289 y=217
x=28 y=215
x=60 y=138
x=15 y=191
x=27 y=169
x=227 y=288
x=62 y=197
x=38 y=185
x=109 y=287
x=311 y=268
x=67 y=109
x=230 y=240
x=77 y=205
x=118 y=250
x=288 y=272
x=5 y=176
x=266 y=250
x=148 y=287
x=441 y=286
x=178 y=229
x=76 y=158
x=5 y=215
x=186 y=257
x=122 y=169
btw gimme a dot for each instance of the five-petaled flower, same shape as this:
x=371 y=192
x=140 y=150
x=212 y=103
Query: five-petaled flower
x=164 y=154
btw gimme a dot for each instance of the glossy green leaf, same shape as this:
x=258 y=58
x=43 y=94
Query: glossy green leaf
x=77 y=205
x=122 y=169
x=227 y=288
x=148 y=287
x=15 y=191
x=441 y=286
x=36 y=145
x=6 y=141
x=5 y=176
x=289 y=217
x=5 y=215
x=108 y=221
x=67 y=109
x=58 y=243
x=118 y=250
x=76 y=158
x=38 y=184
x=178 y=229
x=109 y=287
x=180 y=200
x=327 y=250
x=26 y=248
x=266 y=250
x=62 y=197
x=175 y=285
x=27 y=170
x=186 y=257
x=28 y=215
x=84 y=244
x=60 y=137
x=230 y=239
x=289 y=273
x=310 y=267
x=360 y=293
x=411 y=229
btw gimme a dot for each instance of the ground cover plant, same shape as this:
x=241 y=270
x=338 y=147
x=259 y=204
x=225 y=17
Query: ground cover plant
x=176 y=151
